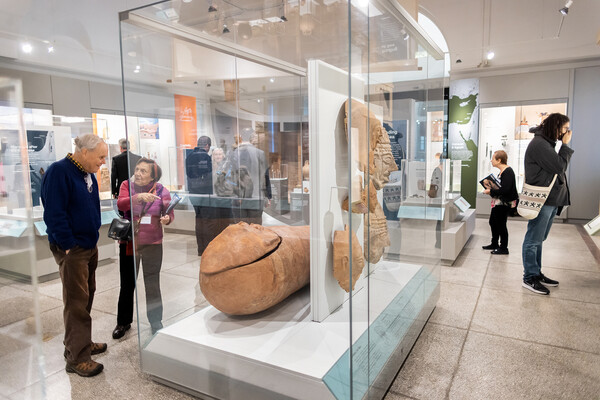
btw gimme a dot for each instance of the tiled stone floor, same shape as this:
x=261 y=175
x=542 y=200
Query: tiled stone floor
x=487 y=339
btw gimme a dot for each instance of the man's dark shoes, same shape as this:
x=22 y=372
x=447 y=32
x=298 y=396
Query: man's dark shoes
x=86 y=368
x=535 y=286
x=547 y=281
x=499 y=250
x=120 y=330
x=97 y=348
x=490 y=247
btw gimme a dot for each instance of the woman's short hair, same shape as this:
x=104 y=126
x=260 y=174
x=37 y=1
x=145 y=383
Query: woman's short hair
x=501 y=155
x=552 y=125
x=155 y=170
x=88 y=141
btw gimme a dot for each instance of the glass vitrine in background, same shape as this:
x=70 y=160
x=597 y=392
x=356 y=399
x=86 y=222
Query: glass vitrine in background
x=20 y=326
x=507 y=128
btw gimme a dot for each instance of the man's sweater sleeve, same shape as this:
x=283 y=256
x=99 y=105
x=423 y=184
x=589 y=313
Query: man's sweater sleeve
x=55 y=196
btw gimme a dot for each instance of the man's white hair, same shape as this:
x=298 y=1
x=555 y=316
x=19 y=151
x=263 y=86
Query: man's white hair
x=88 y=141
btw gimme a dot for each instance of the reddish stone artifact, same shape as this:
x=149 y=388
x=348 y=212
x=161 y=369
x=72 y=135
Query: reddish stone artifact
x=249 y=268
x=341 y=258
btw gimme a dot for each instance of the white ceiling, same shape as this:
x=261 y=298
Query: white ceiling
x=521 y=32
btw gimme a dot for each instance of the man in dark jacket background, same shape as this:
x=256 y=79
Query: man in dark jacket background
x=198 y=168
x=122 y=167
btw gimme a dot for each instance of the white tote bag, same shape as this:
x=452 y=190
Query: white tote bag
x=532 y=198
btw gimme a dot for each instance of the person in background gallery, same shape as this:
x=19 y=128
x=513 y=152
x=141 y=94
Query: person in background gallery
x=504 y=199
x=72 y=215
x=252 y=164
x=218 y=159
x=199 y=171
x=150 y=200
x=122 y=165
x=542 y=163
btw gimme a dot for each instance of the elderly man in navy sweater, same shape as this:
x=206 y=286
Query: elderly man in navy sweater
x=72 y=217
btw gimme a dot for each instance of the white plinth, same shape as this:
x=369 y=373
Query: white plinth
x=277 y=353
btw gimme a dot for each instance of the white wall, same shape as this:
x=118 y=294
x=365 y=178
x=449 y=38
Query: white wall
x=524 y=87
x=584 y=178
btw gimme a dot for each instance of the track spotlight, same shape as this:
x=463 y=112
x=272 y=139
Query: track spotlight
x=404 y=34
x=565 y=9
x=283 y=18
x=212 y=8
x=225 y=29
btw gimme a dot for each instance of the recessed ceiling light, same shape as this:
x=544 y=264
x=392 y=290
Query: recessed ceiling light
x=272 y=80
x=50 y=49
x=187 y=1
x=27 y=48
x=490 y=55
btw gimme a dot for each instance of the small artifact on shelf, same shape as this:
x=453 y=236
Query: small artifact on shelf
x=341 y=258
x=305 y=171
x=249 y=268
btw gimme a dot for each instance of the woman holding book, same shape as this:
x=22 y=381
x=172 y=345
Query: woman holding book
x=150 y=212
x=504 y=198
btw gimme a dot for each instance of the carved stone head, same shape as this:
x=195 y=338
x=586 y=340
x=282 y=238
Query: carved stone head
x=383 y=160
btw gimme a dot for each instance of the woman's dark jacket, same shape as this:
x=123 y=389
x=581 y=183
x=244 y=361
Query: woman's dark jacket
x=508 y=187
x=542 y=163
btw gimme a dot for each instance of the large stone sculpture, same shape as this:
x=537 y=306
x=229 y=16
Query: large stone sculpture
x=341 y=258
x=375 y=151
x=249 y=268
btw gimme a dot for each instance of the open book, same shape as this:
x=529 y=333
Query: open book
x=490 y=181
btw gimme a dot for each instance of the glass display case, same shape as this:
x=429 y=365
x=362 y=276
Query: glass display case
x=20 y=325
x=279 y=274
x=48 y=138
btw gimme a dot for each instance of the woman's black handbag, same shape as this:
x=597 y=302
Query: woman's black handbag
x=120 y=229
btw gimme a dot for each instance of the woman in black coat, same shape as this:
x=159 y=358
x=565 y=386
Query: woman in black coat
x=504 y=199
x=542 y=164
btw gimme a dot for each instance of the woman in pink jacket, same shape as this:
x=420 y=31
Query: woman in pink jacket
x=149 y=199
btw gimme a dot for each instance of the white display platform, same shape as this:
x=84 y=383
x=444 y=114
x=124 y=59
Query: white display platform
x=15 y=256
x=456 y=235
x=281 y=352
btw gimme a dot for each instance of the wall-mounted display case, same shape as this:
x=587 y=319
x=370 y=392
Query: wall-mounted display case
x=298 y=100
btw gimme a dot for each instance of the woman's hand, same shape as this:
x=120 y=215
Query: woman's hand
x=486 y=191
x=146 y=197
x=165 y=219
x=567 y=137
